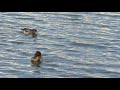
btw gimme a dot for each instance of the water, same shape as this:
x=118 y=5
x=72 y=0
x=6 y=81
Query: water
x=73 y=44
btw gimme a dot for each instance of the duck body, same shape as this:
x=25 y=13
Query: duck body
x=37 y=59
x=28 y=31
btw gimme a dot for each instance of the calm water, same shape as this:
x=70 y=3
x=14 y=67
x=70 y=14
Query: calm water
x=73 y=44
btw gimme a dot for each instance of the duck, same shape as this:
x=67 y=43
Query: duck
x=28 y=31
x=37 y=59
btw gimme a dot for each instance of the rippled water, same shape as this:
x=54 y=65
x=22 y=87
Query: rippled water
x=73 y=44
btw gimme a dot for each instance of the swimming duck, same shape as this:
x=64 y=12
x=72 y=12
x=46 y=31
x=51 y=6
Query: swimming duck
x=37 y=59
x=28 y=31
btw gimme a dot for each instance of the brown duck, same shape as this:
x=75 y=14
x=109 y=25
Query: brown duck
x=37 y=59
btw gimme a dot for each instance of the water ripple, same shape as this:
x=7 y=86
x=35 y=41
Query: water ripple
x=73 y=44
